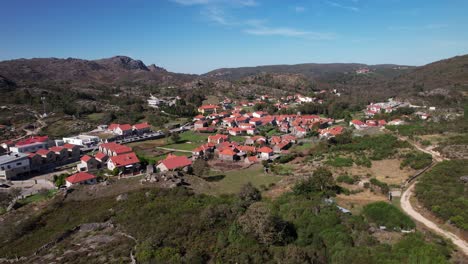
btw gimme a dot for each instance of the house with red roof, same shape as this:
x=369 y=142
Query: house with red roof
x=228 y=154
x=101 y=157
x=259 y=140
x=141 y=128
x=200 y=124
x=208 y=109
x=265 y=153
x=35 y=160
x=236 y=131
x=88 y=163
x=331 y=132
x=358 y=124
x=31 y=144
x=251 y=159
x=283 y=145
x=218 y=138
x=127 y=160
x=48 y=156
x=80 y=178
x=73 y=151
x=172 y=163
x=114 y=149
x=299 y=132
x=123 y=130
x=199 y=117
x=61 y=153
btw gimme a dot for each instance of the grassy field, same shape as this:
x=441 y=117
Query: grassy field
x=211 y=99
x=38 y=197
x=188 y=141
x=231 y=181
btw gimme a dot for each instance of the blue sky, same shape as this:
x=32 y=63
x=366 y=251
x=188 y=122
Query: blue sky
x=196 y=36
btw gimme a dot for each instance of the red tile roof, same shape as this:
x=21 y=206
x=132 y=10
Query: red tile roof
x=31 y=140
x=80 y=177
x=43 y=152
x=86 y=158
x=125 y=159
x=70 y=146
x=227 y=152
x=209 y=106
x=176 y=162
x=56 y=149
x=265 y=150
x=100 y=156
x=125 y=127
x=357 y=122
x=141 y=126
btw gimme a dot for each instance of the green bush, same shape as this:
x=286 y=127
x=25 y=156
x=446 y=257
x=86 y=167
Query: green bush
x=340 y=162
x=385 y=214
x=382 y=185
x=442 y=191
x=347 y=179
x=416 y=160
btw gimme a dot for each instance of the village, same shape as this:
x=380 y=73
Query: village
x=231 y=135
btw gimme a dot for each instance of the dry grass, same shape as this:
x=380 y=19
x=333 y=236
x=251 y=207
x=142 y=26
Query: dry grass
x=356 y=202
x=387 y=171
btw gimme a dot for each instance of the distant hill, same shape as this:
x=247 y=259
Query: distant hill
x=115 y=70
x=309 y=70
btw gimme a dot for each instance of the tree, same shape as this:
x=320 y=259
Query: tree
x=320 y=181
x=259 y=222
x=248 y=195
x=115 y=171
x=323 y=178
x=175 y=137
x=200 y=167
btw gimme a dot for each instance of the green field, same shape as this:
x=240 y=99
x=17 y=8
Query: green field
x=232 y=181
x=188 y=141
x=38 y=197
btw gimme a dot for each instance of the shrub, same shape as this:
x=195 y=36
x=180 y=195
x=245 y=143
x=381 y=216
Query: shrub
x=382 y=185
x=347 y=179
x=416 y=160
x=340 y=162
x=442 y=191
x=385 y=214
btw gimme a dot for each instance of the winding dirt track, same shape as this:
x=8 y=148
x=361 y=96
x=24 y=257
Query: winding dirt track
x=408 y=208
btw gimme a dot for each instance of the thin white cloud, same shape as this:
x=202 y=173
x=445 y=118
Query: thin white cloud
x=338 y=5
x=258 y=28
x=217 y=15
x=299 y=9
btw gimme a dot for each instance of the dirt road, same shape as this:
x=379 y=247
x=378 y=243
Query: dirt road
x=408 y=208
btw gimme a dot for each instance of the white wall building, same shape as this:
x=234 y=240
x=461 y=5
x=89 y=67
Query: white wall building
x=13 y=165
x=82 y=140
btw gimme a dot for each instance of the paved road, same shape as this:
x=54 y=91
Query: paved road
x=408 y=208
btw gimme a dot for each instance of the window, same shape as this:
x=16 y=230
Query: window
x=18 y=164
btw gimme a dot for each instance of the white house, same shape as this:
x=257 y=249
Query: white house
x=80 y=178
x=82 y=140
x=13 y=165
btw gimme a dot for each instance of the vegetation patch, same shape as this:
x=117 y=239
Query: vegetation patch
x=443 y=191
x=385 y=214
x=416 y=160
